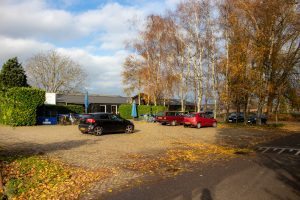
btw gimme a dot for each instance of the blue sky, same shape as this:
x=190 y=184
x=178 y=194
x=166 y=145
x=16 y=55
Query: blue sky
x=91 y=32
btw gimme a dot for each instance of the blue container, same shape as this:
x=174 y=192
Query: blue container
x=47 y=120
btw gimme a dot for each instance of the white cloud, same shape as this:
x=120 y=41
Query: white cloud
x=22 y=48
x=94 y=38
x=173 y=3
x=103 y=71
x=33 y=19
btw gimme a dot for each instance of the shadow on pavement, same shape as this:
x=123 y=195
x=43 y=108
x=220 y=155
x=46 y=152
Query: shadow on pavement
x=245 y=177
x=29 y=149
x=286 y=165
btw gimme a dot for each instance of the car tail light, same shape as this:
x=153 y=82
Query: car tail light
x=90 y=121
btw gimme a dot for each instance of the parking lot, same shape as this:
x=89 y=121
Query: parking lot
x=110 y=150
x=67 y=143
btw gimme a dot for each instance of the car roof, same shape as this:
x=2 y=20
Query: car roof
x=99 y=113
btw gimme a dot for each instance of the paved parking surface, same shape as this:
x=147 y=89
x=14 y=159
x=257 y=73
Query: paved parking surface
x=107 y=151
x=86 y=150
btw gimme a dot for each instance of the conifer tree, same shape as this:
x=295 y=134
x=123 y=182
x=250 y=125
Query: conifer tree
x=12 y=74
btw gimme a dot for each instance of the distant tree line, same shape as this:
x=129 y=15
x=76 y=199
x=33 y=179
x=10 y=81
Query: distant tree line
x=234 y=52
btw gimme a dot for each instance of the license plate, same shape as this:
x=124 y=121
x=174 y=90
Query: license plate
x=159 y=117
x=187 y=122
x=82 y=129
x=230 y=120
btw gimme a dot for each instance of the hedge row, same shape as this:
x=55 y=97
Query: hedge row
x=53 y=110
x=19 y=106
x=125 y=110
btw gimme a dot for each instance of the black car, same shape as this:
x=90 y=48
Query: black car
x=99 y=123
x=252 y=119
x=236 y=117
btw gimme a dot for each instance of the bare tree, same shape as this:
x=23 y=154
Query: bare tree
x=54 y=72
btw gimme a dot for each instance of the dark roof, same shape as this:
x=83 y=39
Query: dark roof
x=79 y=99
x=175 y=102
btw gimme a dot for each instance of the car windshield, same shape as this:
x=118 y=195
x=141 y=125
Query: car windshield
x=85 y=116
x=160 y=114
x=170 y=113
x=190 y=115
x=232 y=115
x=115 y=117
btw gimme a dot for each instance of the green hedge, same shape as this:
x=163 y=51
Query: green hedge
x=125 y=110
x=19 y=106
x=157 y=109
x=53 y=110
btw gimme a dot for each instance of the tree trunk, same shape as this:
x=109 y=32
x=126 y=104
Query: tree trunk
x=182 y=104
x=139 y=96
x=276 y=109
x=259 y=111
x=269 y=104
x=214 y=78
x=205 y=105
x=227 y=76
x=245 y=110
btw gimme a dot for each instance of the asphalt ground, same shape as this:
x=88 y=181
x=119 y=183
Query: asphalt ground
x=266 y=176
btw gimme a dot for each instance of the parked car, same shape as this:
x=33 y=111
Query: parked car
x=199 y=120
x=158 y=115
x=99 y=123
x=210 y=114
x=148 y=117
x=252 y=119
x=171 y=117
x=236 y=117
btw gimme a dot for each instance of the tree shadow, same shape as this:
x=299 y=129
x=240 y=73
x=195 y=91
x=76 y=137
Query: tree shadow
x=286 y=165
x=26 y=149
x=29 y=149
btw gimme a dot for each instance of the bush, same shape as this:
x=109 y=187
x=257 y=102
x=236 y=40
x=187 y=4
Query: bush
x=19 y=106
x=157 y=109
x=143 y=109
x=53 y=110
x=125 y=110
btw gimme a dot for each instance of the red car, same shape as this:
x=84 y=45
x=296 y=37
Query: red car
x=199 y=119
x=172 y=118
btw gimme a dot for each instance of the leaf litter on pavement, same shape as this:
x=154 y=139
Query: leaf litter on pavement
x=179 y=158
x=38 y=177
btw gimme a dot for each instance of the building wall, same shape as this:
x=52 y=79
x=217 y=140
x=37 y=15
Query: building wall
x=97 y=107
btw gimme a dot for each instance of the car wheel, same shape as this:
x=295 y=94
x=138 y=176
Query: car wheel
x=163 y=123
x=98 y=130
x=198 y=125
x=129 y=129
x=185 y=126
x=173 y=123
x=214 y=124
